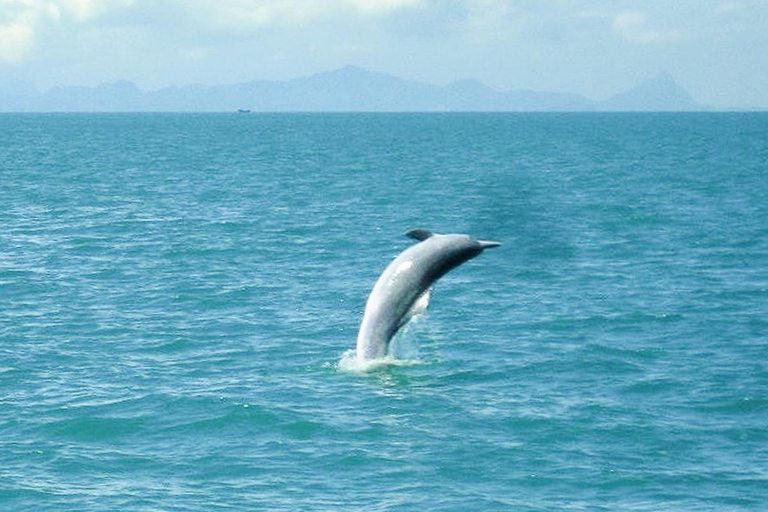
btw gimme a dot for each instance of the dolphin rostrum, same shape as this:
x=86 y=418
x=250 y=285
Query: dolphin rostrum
x=409 y=277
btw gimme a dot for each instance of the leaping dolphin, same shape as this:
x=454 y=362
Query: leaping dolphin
x=409 y=277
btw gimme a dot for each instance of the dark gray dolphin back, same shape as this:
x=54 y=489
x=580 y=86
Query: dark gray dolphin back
x=443 y=253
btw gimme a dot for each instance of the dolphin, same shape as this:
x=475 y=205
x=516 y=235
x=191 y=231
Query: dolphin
x=407 y=279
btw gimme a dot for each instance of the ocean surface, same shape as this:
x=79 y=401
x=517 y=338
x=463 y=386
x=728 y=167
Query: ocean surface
x=179 y=295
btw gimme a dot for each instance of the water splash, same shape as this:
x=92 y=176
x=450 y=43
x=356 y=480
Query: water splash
x=349 y=363
x=420 y=306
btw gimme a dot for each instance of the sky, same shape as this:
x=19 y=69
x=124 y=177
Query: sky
x=716 y=49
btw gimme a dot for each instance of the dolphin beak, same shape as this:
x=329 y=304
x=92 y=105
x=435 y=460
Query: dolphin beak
x=487 y=244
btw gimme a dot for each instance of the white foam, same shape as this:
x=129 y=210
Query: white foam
x=351 y=364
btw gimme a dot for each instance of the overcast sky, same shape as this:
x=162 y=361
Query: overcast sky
x=716 y=49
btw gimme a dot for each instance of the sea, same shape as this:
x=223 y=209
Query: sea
x=180 y=296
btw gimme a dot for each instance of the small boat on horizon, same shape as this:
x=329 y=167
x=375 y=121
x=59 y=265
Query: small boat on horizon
x=243 y=111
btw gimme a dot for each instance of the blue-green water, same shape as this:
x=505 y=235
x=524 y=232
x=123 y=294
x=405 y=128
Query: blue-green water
x=177 y=292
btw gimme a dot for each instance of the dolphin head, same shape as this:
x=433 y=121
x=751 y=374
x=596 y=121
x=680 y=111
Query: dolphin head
x=448 y=251
x=425 y=234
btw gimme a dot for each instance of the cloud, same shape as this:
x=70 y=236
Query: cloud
x=16 y=41
x=381 y=7
x=83 y=11
x=18 y=23
x=24 y=22
x=633 y=26
x=729 y=7
x=244 y=16
x=488 y=21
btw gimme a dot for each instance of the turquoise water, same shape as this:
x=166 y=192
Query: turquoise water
x=177 y=293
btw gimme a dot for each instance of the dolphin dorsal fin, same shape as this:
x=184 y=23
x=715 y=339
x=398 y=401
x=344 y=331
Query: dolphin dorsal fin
x=419 y=234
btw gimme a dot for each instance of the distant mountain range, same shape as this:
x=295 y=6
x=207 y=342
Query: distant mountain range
x=349 y=89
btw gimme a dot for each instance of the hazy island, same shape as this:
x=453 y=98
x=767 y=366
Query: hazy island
x=349 y=89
